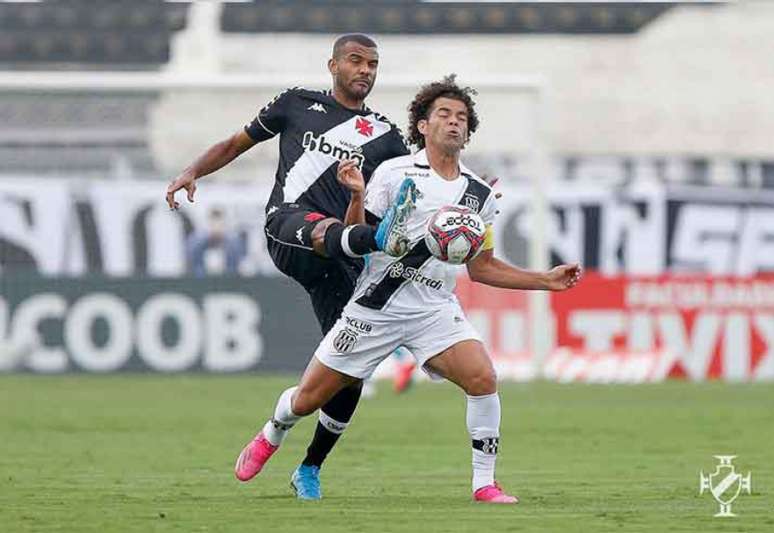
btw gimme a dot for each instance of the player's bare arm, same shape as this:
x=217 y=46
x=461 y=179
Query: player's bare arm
x=489 y=270
x=352 y=179
x=216 y=157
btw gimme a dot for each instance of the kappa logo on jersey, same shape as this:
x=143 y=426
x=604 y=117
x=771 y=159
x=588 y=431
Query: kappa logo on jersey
x=339 y=149
x=300 y=235
x=345 y=340
x=364 y=127
x=317 y=106
x=397 y=270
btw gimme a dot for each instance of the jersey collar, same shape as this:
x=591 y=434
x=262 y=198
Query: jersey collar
x=420 y=161
x=364 y=111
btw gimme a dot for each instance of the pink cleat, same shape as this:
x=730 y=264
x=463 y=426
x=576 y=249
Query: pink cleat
x=403 y=374
x=493 y=494
x=253 y=457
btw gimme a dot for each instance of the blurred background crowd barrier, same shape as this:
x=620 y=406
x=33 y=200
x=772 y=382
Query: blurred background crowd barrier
x=632 y=137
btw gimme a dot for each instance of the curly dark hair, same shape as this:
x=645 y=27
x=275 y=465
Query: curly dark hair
x=422 y=105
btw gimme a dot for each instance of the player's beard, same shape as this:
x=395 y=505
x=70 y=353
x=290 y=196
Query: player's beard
x=353 y=90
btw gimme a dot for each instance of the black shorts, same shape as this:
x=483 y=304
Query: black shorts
x=329 y=282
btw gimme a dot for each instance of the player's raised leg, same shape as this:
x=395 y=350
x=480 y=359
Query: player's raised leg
x=467 y=364
x=332 y=238
x=317 y=386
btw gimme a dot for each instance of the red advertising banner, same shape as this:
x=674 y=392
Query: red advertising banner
x=697 y=327
x=631 y=329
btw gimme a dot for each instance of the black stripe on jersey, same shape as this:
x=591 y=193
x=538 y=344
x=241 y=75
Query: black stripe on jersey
x=378 y=294
x=475 y=196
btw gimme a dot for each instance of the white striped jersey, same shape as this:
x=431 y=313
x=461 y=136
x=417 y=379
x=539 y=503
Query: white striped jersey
x=417 y=281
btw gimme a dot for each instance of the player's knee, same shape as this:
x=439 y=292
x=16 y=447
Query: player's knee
x=303 y=403
x=481 y=383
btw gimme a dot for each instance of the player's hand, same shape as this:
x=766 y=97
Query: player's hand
x=350 y=176
x=183 y=181
x=564 y=277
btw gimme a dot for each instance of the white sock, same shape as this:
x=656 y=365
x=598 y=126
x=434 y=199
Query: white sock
x=483 y=419
x=283 y=420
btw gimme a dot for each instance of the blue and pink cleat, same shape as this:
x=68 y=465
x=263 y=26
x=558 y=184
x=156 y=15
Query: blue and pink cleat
x=392 y=232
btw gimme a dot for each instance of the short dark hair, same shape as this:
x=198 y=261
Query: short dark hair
x=422 y=105
x=359 y=38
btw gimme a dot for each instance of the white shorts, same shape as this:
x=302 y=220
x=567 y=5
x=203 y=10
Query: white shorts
x=362 y=338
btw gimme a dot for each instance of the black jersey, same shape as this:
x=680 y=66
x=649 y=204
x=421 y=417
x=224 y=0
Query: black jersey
x=316 y=132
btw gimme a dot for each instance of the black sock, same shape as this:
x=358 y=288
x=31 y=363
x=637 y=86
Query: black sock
x=350 y=241
x=337 y=413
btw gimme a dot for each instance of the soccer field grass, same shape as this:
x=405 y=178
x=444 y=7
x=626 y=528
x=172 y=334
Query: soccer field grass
x=149 y=453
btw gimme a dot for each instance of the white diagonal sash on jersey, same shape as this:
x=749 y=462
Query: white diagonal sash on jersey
x=312 y=164
x=379 y=294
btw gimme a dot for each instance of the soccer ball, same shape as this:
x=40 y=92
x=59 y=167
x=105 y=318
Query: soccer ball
x=455 y=234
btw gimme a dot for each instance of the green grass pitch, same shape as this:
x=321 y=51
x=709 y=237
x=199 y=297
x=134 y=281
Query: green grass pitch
x=155 y=453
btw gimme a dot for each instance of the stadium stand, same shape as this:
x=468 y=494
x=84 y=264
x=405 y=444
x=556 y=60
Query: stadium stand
x=108 y=134
x=43 y=133
x=412 y=17
x=75 y=34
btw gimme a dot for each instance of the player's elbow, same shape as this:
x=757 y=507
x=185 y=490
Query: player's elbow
x=240 y=142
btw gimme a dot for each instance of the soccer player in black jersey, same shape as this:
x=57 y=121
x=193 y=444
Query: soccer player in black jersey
x=311 y=237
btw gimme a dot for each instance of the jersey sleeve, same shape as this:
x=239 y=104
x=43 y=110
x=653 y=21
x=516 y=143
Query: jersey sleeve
x=489 y=211
x=397 y=146
x=378 y=195
x=488 y=214
x=271 y=119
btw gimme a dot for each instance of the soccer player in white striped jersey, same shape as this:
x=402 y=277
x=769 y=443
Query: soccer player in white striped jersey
x=410 y=301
